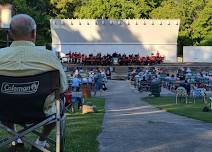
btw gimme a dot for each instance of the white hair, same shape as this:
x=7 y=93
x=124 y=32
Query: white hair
x=22 y=24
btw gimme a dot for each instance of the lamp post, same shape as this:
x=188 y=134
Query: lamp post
x=5 y=18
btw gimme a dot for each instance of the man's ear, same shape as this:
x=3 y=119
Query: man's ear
x=10 y=35
x=33 y=35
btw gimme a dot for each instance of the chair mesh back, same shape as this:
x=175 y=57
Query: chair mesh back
x=22 y=98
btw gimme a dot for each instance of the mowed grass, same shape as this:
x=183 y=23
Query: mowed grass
x=81 y=130
x=190 y=110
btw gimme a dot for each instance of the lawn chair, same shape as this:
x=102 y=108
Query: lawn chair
x=172 y=85
x=199 y=93
x=181 y=93
x=68 y=101
x=144 y=86
x=72 y=99
x=22 y=102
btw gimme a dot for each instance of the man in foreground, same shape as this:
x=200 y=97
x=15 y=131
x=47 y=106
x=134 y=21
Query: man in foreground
x=23 y=58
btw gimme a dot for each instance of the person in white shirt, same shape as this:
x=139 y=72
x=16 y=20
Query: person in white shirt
x=76 y=73
x=188 y=70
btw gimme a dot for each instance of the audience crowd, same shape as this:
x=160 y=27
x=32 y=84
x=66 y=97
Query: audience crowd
x=172 y=79
x=85 y=83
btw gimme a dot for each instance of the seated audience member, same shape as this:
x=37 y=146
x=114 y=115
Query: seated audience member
x=91 y=80
x=23 y=58
x=85 y=80
x=76 y=72
x=167 y=78
x=158 y=75
x=144 y=78
x=155 y=79
x=188 y=70
x=98 y=80
x=188 y=74
x=76 y=82
x=187 y=86
x=210 y=77
x=173 y=78
x=172 y=81
x=108 y=73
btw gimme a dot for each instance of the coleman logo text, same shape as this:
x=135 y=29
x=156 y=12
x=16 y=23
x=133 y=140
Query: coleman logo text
x=20 y=88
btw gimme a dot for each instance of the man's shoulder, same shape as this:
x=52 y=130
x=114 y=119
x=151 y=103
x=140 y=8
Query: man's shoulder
x=31 y=53
x=4 y=49
x=37 y=49
x=32 y=49
x=42 y=52
x=5 y=52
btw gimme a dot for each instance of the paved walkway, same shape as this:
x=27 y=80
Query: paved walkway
x=131 y=125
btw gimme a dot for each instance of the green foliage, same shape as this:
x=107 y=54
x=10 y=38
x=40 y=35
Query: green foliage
x=83 y=129
x=195 y=15
x=116 y=9
x=207 y=40
x=187 y=12
x=65 y=8
x=112 y=9
x=40 y=10
x=202 y=26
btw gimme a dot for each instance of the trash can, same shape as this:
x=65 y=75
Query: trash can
x=86 y=92
x=155 y=88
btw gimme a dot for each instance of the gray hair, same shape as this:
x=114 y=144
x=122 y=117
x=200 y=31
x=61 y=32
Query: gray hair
x=22 y=24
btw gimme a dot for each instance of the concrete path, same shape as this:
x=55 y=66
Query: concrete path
x=131 y=125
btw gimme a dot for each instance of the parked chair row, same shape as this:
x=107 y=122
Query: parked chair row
x=181 y=94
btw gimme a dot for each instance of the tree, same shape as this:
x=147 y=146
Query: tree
x=186 y=11
x=207 y=41
x=146 y=6
x=65 y=8
x=202 y=26
x=195 y=15
x=116 y=9
x=113 y=9
x=40 y=10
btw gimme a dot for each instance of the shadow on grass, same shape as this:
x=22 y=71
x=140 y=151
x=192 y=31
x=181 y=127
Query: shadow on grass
x=190 y=110
x=82 y=129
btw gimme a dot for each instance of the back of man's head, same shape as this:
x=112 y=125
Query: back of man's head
x=23 y=27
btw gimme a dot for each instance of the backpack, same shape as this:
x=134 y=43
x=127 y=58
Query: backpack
x=205 y=109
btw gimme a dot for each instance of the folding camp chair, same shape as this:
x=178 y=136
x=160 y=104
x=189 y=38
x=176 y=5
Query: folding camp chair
x=198 y=93
x=181 y=93
x=68 y=100
x=144 y=86
x=22 y=102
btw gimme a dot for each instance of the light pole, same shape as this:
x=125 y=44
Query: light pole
x=5 y=18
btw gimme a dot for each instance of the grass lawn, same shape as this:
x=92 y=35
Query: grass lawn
x=189 y=110
x=81 y=129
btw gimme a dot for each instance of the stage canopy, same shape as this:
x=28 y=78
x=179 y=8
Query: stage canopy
x=142 y=36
